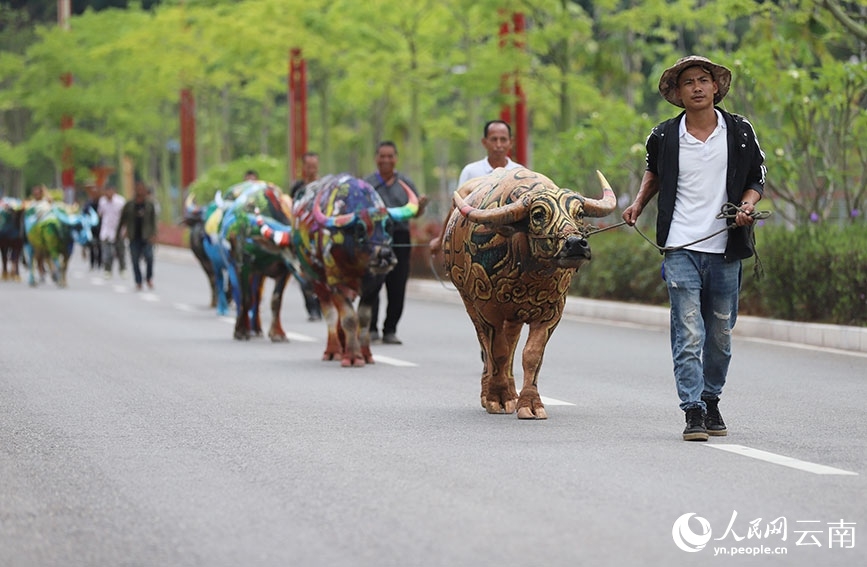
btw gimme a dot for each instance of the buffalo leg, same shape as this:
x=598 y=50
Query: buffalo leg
x=365 y=313
x=530 y=403
x=483 y=333
x=257 y=283
x=348 y=318
x=276 y=332
x=333 y=348
x=502 y=397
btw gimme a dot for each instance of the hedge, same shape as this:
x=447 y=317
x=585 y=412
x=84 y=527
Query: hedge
x=815 y=273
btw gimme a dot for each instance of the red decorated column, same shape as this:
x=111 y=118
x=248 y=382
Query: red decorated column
x=297 y=111
x=188 y=138
x=67 y=164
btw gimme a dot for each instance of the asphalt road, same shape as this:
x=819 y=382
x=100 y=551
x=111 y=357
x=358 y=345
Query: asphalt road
x=135 y=431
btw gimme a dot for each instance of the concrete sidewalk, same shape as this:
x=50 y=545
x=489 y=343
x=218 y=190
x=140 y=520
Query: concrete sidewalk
x=811 y=334
x=853 y=339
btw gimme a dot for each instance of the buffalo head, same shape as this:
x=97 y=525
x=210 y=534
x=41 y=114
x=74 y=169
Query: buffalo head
x=357 y=218
x=552 y=217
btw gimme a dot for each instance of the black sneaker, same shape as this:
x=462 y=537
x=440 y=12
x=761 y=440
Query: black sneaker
x=714 y=421
x=374 y=336
x=695 y=430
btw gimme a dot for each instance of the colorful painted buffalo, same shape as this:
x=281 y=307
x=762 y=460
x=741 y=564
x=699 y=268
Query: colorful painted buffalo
x=11 y=236
x=511 y=247
x=51 y=232
x=249 y=257
x=206 y=249
x=341 y=235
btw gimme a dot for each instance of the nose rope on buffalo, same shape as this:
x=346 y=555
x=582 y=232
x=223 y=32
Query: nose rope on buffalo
x=728 y=211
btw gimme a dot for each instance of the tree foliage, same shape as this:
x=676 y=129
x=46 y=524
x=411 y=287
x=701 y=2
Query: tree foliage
x=427 y=75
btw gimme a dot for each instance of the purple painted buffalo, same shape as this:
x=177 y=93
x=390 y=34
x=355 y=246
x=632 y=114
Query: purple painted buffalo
x=341 y=236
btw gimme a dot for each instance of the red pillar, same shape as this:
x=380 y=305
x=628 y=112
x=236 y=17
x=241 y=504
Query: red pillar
x=188 y=138
x=297 y=110
x=520 y=142
x=511 y=85
x=67 y=174
x=505 y=79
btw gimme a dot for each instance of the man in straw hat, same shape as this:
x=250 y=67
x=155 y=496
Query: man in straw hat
x=697 y=162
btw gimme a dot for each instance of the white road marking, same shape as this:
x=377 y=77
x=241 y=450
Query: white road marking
x=392 y=361
x=152 y=297
x=807 y=466
x=805 y=346
x=185 y=307
x=555 y=402
x=300 y=338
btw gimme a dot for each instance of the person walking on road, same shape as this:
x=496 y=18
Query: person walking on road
x=109 y=209
x=309 y=174
x=390 y=184
x=139 y=219
x=699 y=163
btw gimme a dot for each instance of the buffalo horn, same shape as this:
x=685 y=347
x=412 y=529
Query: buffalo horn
x=605 y=205
x=507 y=214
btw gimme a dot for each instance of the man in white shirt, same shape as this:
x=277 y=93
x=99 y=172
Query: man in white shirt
x=108 y=209
x=697 y=161
x=497 y=140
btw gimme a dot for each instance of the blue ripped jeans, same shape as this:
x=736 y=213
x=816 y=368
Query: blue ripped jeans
x=703 y=290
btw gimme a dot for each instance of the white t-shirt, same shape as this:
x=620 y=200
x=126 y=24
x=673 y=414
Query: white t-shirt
x=480 y=168
x=701 y=191
x=109 y=214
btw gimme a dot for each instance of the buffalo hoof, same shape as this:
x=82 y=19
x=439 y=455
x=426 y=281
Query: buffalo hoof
x=530 y=406
x=278 y=338
x=242 y=336
x=328 y=355
x=352 y=361
x=493 y=406
x=527 y=413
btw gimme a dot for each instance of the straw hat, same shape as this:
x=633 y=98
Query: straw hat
x=668 y=81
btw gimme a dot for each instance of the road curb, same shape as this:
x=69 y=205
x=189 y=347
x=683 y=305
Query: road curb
x=809 y=334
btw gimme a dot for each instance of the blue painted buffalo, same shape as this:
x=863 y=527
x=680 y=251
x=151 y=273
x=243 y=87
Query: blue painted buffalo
x=206 y=249
x=250 y=258
x=51 y=231
x=341 y=236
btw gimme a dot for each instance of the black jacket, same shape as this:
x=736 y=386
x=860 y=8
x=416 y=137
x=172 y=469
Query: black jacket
x=746 y=170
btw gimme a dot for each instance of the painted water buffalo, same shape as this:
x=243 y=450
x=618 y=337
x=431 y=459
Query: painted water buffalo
x=341 y=235
x=511 y=246
x=206 y=249
x=250 y=258
x=51 y=232
x=11 y=236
